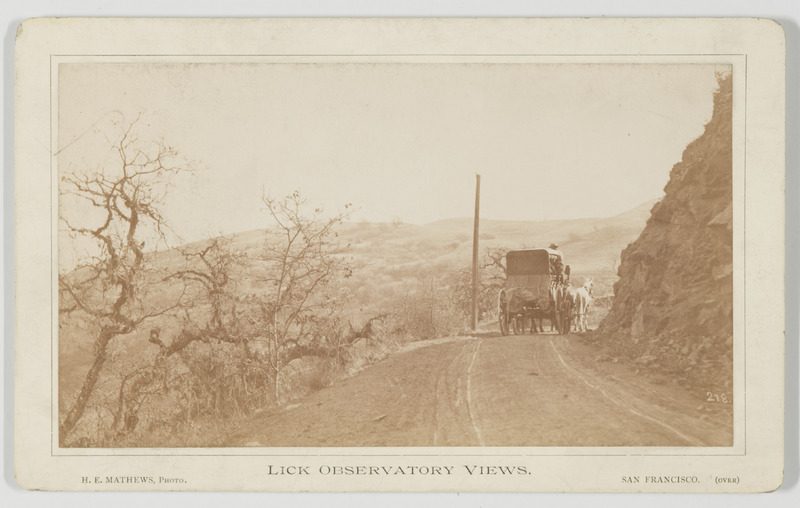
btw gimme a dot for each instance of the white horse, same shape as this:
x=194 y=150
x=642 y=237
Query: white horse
x=582 y=299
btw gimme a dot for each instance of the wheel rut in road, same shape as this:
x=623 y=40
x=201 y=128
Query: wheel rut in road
x=529 y=390
x=455 y=418
x=548 y=390
x=626 y=400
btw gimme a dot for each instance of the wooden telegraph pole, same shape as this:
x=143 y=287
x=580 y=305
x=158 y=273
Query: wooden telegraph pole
x=475 y=253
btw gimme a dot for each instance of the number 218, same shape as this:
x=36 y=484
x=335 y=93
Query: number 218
x=716 y=397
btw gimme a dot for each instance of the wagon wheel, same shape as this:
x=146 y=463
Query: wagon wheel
x=502 y=313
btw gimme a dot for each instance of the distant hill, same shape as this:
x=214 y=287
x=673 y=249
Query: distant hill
x=392 y=257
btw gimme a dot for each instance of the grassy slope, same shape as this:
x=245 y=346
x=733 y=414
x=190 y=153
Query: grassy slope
x=390 y=258
x=395 y=255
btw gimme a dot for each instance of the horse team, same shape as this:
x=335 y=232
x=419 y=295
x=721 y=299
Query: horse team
x=571 y=306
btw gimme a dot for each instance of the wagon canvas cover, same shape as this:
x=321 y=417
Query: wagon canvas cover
x=529 y=277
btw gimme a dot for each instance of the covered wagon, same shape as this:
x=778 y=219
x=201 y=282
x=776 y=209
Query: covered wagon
x=533 y=280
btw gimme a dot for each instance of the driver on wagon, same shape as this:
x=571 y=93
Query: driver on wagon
x=559 y=267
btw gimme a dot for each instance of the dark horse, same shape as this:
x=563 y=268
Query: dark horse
x=543 y=309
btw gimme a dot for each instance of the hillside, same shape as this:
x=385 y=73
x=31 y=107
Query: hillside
x=673 y=304
x=392 y=256
x=391 y=259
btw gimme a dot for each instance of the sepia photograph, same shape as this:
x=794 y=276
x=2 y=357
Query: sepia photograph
x=407 y=255
x=301 y=254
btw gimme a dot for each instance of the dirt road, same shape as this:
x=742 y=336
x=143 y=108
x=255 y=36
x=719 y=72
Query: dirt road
x=532 y=390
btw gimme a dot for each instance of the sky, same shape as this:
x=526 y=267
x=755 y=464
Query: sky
x=398 y=141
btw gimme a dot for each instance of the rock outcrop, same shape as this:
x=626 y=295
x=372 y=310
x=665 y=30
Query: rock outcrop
x=673 y=302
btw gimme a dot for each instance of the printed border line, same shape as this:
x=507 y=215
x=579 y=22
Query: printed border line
x=244 y=55
x=744 y=260
x=53 y=304
x=366 y=55
x=487 y=456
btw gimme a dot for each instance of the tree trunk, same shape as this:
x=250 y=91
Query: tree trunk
x=275 y=380
x=77 y=410
x=274 y=357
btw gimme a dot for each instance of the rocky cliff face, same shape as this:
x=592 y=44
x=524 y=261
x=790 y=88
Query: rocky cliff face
x=672 y=309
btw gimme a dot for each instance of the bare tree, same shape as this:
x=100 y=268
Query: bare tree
x=460 y=288
x=209 y=275
x=494 y=264
x=113 y=211
x=209 y=312
x=301 y=257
